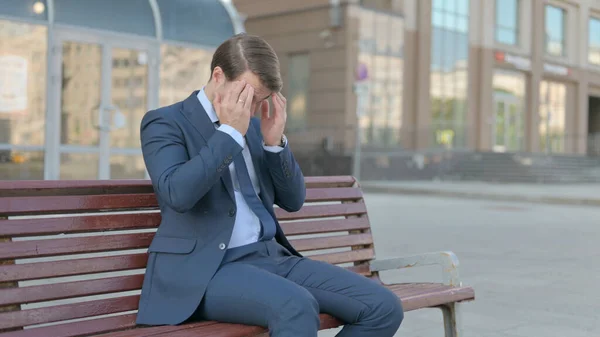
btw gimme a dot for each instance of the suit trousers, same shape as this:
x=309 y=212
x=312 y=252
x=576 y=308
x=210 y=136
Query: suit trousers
x=263 y=284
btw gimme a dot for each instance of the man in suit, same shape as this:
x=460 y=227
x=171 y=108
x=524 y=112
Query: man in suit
x=219 y=253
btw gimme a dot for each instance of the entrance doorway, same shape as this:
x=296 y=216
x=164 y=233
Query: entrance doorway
x=594 y=126
x=102 y=87
x=506 y=123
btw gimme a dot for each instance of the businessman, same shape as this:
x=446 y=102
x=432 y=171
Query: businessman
x=219 y=252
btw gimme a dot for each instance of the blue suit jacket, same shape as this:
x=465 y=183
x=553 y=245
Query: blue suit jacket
x=188 y=159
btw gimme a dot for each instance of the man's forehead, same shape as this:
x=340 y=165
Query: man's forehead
x=261 y=96
x=260 y=91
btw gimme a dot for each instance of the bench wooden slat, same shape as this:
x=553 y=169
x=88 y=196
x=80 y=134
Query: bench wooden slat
x=75 y=203
x=430 y=297
x=333 y=194
x=160 y=330
x=328 y=242
x=59 y=291
x=90 y=203
x=63 y=290
x=362 y=269
x=322 y=211
x=84 y=224
x=13 y=319
x=73 y=187
x=83 y=328
x=324 y=226
x=105 y=243
x=78 y=224
x=345 y=257
x=329 y=181
x=40 y=270
x=214 y=330
x=74 y=245
x=14 y=188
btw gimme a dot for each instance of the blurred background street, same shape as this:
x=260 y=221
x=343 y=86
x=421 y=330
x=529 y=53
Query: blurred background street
x=534 y=267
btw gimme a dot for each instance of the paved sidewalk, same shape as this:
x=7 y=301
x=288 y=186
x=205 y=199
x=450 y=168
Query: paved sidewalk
x=572 y=194
x=534 y=266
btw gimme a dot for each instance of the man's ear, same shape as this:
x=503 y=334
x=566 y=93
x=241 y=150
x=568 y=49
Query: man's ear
x=218 y=76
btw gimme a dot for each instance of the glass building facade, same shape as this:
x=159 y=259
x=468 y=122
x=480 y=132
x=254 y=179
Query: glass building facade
x=381 y=51
x=76 y=77
x=449 y=72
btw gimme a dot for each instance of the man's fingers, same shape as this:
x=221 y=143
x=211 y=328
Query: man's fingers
x=264 y=109
x=236 y=90
x=283 y=100
x=248 y=97
x=279 y=104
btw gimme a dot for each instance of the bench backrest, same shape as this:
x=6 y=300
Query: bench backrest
x=77 y=249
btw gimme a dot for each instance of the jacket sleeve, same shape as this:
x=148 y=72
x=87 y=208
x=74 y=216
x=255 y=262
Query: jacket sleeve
x=290 y=188
x=181 y=181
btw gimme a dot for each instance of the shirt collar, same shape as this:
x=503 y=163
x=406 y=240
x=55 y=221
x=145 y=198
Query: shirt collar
x=207 y=105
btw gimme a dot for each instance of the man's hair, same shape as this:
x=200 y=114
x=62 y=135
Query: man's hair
x=244 y=52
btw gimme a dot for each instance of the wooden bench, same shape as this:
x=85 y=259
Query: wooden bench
x=72 y=257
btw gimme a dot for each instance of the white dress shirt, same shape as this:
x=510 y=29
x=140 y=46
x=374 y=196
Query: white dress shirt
x=246 y=229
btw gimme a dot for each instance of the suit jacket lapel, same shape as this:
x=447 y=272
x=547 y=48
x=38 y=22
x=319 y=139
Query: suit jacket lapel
x=195 y=113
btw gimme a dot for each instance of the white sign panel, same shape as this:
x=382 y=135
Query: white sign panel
x=556 y=69
x=13 y=83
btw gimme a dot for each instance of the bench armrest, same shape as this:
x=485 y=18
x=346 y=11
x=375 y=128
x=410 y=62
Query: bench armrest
x=447 y=260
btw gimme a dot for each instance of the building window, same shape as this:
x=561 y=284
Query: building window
x=297 y=96
x=182 y=70
x=594 y=41
x=553 y=102
x=381 y=54
x=509 y=111
x=449 y=58
x=555 y=25
x=507 y=22
x=23 y=68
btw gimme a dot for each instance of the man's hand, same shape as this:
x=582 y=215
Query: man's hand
x=272 y=126
x=233 y=108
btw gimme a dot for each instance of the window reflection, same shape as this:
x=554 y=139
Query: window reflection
x=552 y=112
x=81 y=93
x=382 y=44
x=509 y=110
x=127 y=167
x=507 y=21
x=182 y=71
x=449 y=55
x=23 y=50
x=299 y=82
x=555 y=30
x=79 y=166
x=129 y=95
x=21 y=165
x=594 y=43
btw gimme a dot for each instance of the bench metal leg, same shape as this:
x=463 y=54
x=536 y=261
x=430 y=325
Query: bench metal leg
x=452 y=321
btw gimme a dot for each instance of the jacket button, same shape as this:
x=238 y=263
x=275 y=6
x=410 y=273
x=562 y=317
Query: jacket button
x=232 y=212
x=222 y=246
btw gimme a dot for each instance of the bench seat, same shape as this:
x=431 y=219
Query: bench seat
x=73 y=253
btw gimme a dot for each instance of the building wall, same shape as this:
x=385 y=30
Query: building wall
x=521 y=76
x=293 y=29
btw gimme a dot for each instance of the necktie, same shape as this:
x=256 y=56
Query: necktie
x=266 y=220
